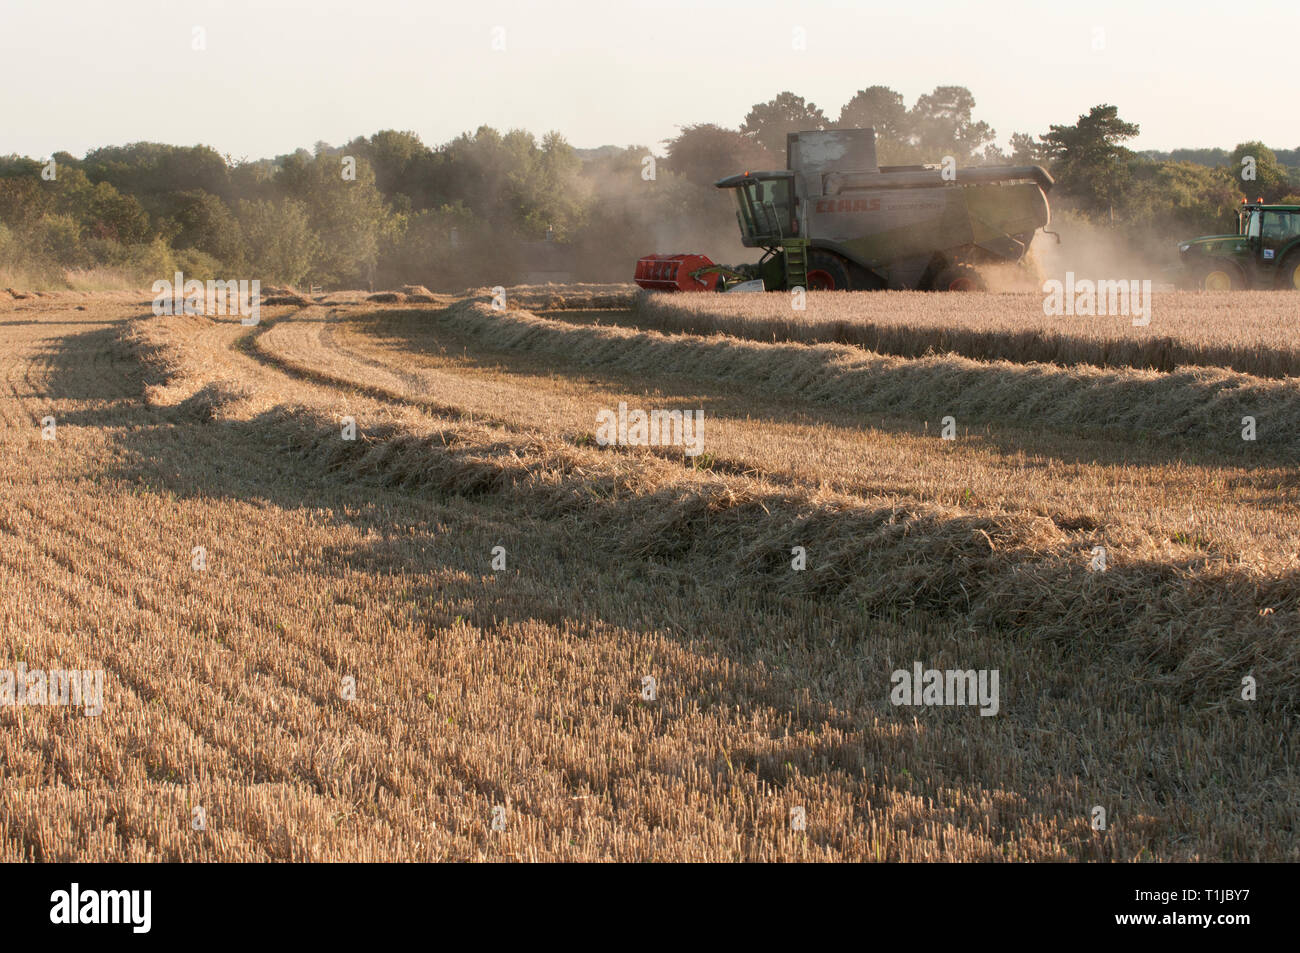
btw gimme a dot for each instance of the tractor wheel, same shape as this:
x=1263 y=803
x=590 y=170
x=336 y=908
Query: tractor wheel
x=960 y=278
x=1219 y=276
x=1288 y=273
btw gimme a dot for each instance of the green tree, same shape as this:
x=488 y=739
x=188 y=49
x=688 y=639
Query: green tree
x=484 y=172
x=116 y=217
x=942 y=125
x=769 y=122
x=1089 y=162
x=346 y=215
x=1024 y=150
x=1271 y=181
x=253 y=180
x=1209 y=157
x=880 y=108
x=23 y=202
x=513 y=184
x=1181 y=199
x=203 y=222
x=150 y=169
x=552 y=194
x=281 y=243
x=100 y=210
x=704 y=153
x=59 y=240
x=20 y=167
x=404 y=166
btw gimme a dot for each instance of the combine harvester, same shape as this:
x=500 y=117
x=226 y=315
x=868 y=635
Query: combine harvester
x=835 y=221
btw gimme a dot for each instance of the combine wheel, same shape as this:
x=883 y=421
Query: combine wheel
x=960 y=278
x=827 y=271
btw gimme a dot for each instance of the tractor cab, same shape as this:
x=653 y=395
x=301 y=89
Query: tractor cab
x=764 y=207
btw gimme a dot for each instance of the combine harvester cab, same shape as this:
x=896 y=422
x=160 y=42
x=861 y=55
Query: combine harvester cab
x=834 y=220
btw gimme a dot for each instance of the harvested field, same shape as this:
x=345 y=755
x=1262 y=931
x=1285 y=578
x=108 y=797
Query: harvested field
x=350 y=677
x=1251 y=332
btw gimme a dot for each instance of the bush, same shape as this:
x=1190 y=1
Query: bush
x=199 y=264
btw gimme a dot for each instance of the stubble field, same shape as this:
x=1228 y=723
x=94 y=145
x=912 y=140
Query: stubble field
x=350 y=677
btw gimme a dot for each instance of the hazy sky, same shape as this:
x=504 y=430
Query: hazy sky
x=277 y=74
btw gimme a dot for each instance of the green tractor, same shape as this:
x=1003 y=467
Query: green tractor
x=1265 y=252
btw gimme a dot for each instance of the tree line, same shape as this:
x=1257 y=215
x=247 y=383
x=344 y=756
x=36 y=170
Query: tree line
x=388 y=209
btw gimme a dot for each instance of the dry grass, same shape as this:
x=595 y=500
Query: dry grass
x=1251 y=332
x=102 y=279
x=1195 y=408
x=29 y=280
x=521 y=687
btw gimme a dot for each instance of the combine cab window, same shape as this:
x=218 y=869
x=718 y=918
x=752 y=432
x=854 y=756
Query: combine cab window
x=773 y=192
x=765 y=210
